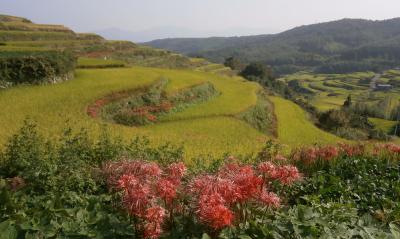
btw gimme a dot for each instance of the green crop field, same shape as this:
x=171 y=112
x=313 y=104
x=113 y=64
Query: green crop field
x=294 y=127
x=329 y=91
x=384 y=125
x=98 y=62
x=207 y=128
x=34 y=35
x=232 y=101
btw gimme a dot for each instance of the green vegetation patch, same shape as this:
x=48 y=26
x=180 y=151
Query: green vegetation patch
x=295 y=127
x=36 y=67
x=261 y=116
x=85 y=62
x=146 y=105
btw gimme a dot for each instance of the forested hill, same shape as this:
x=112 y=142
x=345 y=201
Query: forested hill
x=338 y=46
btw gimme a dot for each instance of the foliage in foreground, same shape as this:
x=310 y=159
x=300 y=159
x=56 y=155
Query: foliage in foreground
x=61 y=189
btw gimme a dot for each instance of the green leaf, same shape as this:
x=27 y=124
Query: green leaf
x=205 y=236
x=244 y=237
x=8 y=230
x=395 y=230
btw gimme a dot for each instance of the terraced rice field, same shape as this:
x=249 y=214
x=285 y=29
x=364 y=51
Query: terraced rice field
x=386 y=126
x=329 y=91
x=295 y=128
x=98 y=62
x=54 y=107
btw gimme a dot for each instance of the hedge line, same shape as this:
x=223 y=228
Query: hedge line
x=35 y=67
x=100 y=66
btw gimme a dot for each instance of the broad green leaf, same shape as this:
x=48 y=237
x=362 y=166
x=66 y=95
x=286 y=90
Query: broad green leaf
x=395 y=230
x=7 y=230
x=205 y=236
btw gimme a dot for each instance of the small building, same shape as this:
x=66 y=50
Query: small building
x=383 y=87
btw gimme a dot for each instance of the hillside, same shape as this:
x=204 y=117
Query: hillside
x=19 y=34
x=326 y=47
x=201 y=104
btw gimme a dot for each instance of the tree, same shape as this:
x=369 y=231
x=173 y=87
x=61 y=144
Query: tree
x=334 y=119
x=232 y=62
x=348 y=102
x=256 y=70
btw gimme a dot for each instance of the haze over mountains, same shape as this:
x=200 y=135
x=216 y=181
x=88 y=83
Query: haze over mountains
x=178 y=32
x=341 y=46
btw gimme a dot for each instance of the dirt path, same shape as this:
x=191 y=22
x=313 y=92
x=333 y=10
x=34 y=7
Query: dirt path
x=372 y=85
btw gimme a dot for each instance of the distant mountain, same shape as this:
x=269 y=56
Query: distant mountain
x=338 y=46
x=174 y=32
x=145 y=35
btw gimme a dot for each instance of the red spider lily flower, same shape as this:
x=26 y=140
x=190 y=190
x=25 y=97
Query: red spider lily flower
x=126 y=181
x=233 y=183
x=177 y=170
x=351 y=150
x=288 y=174
x=393 y=148
x=228 y=189
x=267 y=168
x=285 y=174
x=213 y=212
x=328 y=152
x=145 y=187
x=245 y=179
x=166 y=190
x=207 y=185
x=269 y=199
x=152 y=230
x=248 y=185
x=154 y=218
x=202 y=185
x=389 y=148
x=143 y=171
x=311 y=154
x=151 y=117
x=136 y=199
x=151 y=169
x=155 y=214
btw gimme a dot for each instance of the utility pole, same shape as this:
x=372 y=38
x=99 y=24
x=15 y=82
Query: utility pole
x=397 y=124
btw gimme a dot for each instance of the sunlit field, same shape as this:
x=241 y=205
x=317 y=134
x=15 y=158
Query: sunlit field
x=206 y=128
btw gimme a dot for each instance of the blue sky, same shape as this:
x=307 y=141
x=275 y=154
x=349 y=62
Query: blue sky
x=197 y=15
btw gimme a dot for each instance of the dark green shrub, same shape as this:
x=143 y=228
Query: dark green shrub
x=257 y=70
x=351 y=133
x=233 y=63
x=371 y=184
x=261 y=115
x=334 y=119
x=36 y=67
